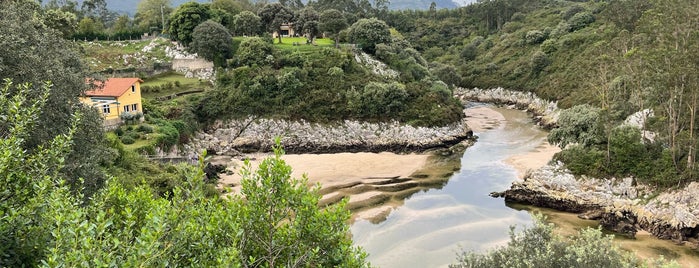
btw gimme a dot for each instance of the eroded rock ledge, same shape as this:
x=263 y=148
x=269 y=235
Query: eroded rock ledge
x=255 y=135
x=619 y=204
x=545 y=112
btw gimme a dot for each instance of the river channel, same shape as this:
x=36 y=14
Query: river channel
x=432 y=226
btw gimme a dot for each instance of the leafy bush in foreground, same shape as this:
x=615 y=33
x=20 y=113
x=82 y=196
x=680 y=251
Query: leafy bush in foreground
x=538 y=246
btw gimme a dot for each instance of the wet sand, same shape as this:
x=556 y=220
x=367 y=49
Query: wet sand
x=375 y=183
x=535 y=159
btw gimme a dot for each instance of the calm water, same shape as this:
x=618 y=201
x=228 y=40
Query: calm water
x=431 y=227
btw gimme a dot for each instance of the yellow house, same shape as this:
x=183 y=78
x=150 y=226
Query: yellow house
x=114 y=97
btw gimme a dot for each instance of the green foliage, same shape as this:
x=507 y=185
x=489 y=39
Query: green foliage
x=283 y=226
x=185 y=18
x=254 y=51
x=273 y=15
x=213 y=42
x=33 y=53
x=539 y=61
x=578 y=125
x=535 y=37
x=469 y=52
x=149 y=14
x=538 y=246
x=367 y=33
x=126 y=225
x=377 y=99
x=307 y=23
x=169 y=137
x=580 y=20
x=246 y=23
x=332 y=21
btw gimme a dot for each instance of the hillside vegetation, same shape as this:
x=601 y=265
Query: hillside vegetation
x=618 y=56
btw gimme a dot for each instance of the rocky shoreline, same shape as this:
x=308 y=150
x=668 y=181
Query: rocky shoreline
x=544 y=112
x=252 y=134
x=620 y=205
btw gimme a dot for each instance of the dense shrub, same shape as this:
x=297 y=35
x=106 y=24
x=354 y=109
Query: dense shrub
x=145 y=128
x=535 y=37
x=127 y=140
x=377 y=99
x=549 y=46
x=169 y=136
x=580 y=20
x=539 y=61
x=539 y=246
x=469 y=52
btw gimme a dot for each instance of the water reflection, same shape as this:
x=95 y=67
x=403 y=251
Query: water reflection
x=431 y=227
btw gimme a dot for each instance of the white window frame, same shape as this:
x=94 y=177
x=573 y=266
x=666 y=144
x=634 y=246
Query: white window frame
x=106 y=109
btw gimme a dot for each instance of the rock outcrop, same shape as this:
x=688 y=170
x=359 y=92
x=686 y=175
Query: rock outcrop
x=253 y=134
x=619 y=204
x=545 y=112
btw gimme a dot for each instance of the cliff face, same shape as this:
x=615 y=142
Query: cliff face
x=620 y=205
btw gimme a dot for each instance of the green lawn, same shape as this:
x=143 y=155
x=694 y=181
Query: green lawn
x=288 y=43
x=141 y=142
x=166 y=84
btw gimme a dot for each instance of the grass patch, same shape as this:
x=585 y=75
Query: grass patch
x=170 y=83
x=140 y=143
x=288 y=43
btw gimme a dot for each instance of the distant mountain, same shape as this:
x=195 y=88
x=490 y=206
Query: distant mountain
x=129 y=6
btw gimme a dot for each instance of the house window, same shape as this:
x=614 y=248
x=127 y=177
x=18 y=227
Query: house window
x=133 y=88
x=134 y=107
x=126 y=108
x=105 y=109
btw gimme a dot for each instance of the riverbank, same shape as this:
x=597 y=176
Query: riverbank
x=620 y=205
x=544 y=112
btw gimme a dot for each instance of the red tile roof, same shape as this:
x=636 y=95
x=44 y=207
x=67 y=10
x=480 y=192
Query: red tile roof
x=112 y=87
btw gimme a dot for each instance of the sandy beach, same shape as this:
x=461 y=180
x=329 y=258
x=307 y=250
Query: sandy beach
x=375 y=183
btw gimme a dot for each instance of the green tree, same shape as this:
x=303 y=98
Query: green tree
x=33 y=53
x=64 y=22
x=307 y=23
x=367 y=33
x=246 y=23
x=579 y=124
x=212 y=41
x=254 y=50
x=273 y=15
x=283 y=225
x=332 y=21
x=89 y=28
x=538 y=246
x=123 y=24
x=151 y=14
x=185 y=18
